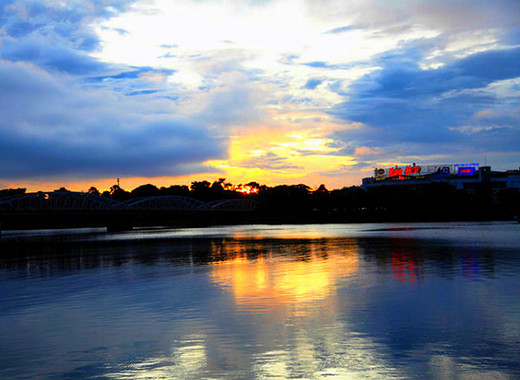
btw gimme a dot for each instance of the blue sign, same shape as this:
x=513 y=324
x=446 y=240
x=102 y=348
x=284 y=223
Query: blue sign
x=467 y=170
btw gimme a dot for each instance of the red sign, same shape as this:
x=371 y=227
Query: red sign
x=409 y=170
x=394 y=172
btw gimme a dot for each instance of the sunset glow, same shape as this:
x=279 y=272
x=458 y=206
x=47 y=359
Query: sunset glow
x=170 y=92
x=246 y=190
x=294 y=285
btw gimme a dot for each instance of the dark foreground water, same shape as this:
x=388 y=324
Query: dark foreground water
x=261 y=302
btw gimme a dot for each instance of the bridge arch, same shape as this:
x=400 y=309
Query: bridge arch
x=77 y=201
x=164 y=203
x=233 y=204
x=56 y=200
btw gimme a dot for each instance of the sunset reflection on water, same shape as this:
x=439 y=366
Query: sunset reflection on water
x=297 y=283
x=263 y=302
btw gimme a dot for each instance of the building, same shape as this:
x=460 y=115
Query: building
x=461 y=176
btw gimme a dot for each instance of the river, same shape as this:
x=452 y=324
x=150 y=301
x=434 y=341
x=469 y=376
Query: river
x=337 y=301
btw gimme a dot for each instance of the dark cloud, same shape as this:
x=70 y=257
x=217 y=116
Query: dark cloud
x=22 y=28
x=53 y=127
x=404 y=104
x=52 y=19
x=51 y=56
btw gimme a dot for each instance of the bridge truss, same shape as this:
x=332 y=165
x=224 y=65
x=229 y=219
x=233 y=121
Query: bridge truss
x=78 y=201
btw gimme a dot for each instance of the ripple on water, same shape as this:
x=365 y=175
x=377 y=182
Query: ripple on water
x=336 y=301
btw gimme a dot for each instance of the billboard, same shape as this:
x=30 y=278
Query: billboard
x=441 y=170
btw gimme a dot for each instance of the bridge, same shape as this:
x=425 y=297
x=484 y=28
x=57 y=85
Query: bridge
x=75 y=201
x=68 y=208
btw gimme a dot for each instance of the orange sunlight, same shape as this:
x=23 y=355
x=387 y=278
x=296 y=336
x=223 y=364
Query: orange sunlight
x=290 y=148
x=293 y=284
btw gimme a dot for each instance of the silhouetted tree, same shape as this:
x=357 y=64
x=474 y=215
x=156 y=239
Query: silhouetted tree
x=292 y=199
x=179 y=190
x=201 y=190
x=147 y=190
x=9 y=192
x=119 y=194
x=321 y=190
x=199 y=186
x=217 y=187
x=93 y=191
x=349 y=201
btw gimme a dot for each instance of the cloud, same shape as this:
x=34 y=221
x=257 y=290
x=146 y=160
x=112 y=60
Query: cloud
x=51 y=56
x=59 y=20
x=366 y=151
x=342 y=29
x=269 y=161
x=348 y=169
x=143 y=92
x=232 y=100
x=448 y=16
x=407 y=104
x=54 y=127
x=68 y=114
x=121 y=31
x=169 y=46
x=134 y=76
x=312 y=83
x=485 y=114
x=318 y=64
x=423 y=78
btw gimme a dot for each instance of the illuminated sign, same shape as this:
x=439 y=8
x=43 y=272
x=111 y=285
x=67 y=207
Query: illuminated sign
x=399 y=171
x=408 y=170
x=412 y=170
x=394 y=172
x=467 y=170
x=442 y=170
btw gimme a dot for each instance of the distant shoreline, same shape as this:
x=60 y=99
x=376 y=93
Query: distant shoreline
x=127 y=221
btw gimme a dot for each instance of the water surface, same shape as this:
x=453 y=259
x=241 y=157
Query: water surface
x=438 y=300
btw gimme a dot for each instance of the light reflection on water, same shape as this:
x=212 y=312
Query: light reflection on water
x=297 y=283
x=335 y=301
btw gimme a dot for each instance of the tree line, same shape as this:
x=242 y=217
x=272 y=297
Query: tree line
x=300 y=203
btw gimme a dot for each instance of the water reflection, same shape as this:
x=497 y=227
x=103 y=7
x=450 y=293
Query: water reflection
x=411 y=260
x=298 y=282
x=240 y=306
x=404 y=264
x=188 y=360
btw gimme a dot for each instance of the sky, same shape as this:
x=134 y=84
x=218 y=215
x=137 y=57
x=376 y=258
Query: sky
x=278 y=92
